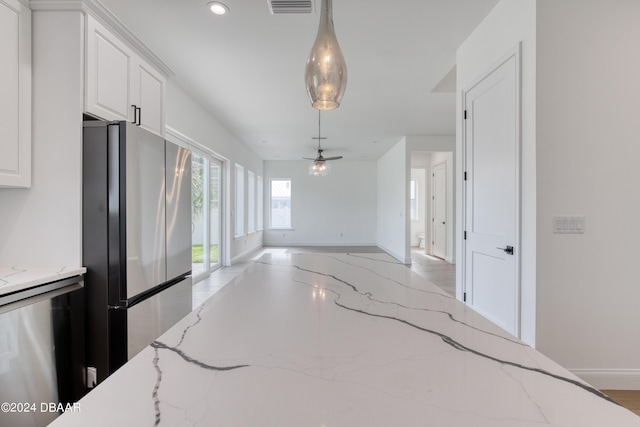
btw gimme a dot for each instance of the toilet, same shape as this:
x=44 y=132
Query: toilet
x=421 y=240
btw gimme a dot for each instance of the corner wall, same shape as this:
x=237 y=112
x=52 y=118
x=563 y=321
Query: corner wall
x=393 y=172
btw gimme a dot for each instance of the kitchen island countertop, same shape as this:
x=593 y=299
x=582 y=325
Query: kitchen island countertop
x=340 y=340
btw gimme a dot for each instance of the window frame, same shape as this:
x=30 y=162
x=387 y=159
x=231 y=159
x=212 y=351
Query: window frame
x=251 y=202
x=290 y=227
x=239 y=214
x=260 y=203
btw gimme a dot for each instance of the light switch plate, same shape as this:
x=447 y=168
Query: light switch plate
x=568 y=224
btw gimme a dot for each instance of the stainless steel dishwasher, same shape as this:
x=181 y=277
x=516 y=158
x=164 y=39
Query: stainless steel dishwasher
x=41 y=352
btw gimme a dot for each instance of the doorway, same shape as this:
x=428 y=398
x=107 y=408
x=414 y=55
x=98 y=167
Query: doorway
x=436 y=263
x=491 y=207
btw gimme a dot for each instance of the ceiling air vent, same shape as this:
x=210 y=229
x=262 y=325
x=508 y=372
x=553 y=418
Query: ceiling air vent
x=278 y=7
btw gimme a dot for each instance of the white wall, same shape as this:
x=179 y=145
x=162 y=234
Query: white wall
x=509 y=23
x=393 y=170
x=41 y=226
x=334 y=210
x=191 y=120
x=587 y=152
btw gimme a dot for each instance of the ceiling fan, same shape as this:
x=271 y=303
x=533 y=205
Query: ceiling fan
x=319 y=165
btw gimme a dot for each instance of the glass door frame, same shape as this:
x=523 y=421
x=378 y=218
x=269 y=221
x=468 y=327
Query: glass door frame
x=208 y=267
x=213 y=161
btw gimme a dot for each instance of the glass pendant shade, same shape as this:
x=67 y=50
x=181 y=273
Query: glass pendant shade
x=326 y=71
x=319 y=168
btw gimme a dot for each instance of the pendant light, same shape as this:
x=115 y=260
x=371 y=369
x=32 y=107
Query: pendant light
x=326 y=71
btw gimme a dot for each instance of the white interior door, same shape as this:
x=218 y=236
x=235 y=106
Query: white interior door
x=439 y=216
x=491 y=159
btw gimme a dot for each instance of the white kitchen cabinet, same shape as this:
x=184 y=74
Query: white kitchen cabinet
x=119 y=84
x=148 y=97
x=15 y=94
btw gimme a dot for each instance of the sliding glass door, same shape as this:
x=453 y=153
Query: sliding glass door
x=215 y=214
x=206 y=228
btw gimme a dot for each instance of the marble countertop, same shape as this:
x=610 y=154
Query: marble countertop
x=340 y=340
x=14 y=279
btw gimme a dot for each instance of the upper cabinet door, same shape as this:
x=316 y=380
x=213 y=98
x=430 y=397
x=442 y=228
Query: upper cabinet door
x=119 y=84
x=15 y=94
x=108 y=85
x=148 y=96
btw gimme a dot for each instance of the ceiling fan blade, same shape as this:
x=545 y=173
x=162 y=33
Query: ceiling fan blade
x=308 y=158
x=333 y=158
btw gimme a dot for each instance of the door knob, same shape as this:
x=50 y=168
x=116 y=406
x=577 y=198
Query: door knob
x=443 y=222
x=508 y=250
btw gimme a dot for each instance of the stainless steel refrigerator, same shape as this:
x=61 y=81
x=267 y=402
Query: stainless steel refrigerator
x=136 y=239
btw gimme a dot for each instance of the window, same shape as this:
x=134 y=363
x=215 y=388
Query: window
x=251 y=202
x=413 y=197
x=260 y=194
x=239 y=200
x=280 y=203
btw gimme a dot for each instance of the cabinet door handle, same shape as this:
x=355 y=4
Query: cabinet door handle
x=135 y=114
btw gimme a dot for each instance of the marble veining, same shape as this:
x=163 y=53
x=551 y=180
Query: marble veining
x=341 y=340
x=14 y=279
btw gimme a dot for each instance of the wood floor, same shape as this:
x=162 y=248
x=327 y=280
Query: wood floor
x=435 y=270
x=630 y=399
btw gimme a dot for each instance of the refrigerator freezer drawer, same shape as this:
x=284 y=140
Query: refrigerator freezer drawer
x=152 y=317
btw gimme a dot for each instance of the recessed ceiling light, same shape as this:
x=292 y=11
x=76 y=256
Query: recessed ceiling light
x=218 y=8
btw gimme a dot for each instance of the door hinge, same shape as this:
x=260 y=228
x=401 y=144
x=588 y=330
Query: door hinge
x=465 y=235
x=465 y=176
x=465 y=114
x=464 y=297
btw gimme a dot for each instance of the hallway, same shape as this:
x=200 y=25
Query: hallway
x=437 y=271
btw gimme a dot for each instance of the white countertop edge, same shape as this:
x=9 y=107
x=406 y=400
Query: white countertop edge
x=16 y=278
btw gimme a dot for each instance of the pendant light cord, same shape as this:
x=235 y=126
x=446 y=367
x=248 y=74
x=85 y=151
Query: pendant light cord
x=319 y=129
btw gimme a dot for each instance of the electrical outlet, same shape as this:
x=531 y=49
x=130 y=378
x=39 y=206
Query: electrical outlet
x=92 y=377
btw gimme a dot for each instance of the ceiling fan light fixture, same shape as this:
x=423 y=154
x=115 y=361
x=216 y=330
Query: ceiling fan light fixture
x=319 y=168
x=326 y=71
x=218 y=8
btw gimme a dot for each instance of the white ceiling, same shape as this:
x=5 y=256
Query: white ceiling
x=247 y=68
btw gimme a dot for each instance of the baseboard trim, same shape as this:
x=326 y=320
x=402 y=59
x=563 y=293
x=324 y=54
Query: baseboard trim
x=244 y=255
x=303 y=244
x=401 y=258
x=610 y=379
